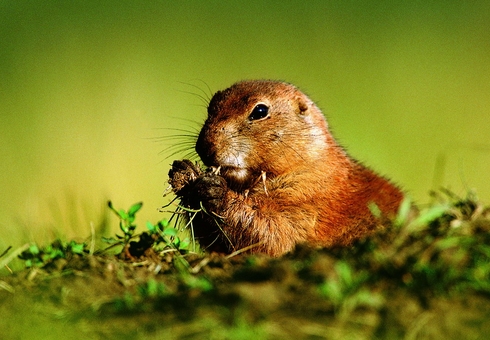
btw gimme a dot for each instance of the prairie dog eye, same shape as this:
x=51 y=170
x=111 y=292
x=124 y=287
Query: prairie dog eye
x=260 y=111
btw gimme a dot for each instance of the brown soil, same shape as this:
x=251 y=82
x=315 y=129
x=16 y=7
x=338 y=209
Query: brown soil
x=244 y=297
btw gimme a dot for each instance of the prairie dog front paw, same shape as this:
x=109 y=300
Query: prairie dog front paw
x=182 y=175
x=210 y=189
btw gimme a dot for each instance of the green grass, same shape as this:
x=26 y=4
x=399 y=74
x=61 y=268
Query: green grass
x=405 y=281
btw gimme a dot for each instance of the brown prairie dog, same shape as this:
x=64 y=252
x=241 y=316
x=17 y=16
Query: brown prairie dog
x=278 y=176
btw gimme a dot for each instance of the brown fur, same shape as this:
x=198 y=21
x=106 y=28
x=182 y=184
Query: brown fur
x=279 y=180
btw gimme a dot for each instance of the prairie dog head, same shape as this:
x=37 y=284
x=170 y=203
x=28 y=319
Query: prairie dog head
x=260 y=126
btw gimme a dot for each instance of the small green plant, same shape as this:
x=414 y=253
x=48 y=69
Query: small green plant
x=167 y=235
x=128 y=227
x=148 y=296
x=160 y=236
x=126 y=221
x=35 y=256
x=347 y=291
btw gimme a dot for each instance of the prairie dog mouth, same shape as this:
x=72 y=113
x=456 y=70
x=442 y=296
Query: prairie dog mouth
x=234 y=172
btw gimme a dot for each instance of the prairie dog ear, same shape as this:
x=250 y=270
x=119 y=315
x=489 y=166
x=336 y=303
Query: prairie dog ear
x=302 y=103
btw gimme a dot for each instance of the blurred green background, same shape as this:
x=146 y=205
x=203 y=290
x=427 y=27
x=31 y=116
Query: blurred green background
x=86 y=86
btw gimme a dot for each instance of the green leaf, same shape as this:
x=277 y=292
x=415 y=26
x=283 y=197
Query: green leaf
x=404 y=211
x=152 y=228
x=123 y=228
x=176 y=242
x=332 y=290
x=449 y=242
x=152 y=287
x=200 y=283
x=134 y=208
x=55 y=253
x=122 y=214
x=130 y=219
x=185 y=243
x=370 y=299
x=432 y=214
x=345 y=273
x=170 y=232
x=34 y=249
x=109 y=204
x=109 y=240
x=77 y=248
